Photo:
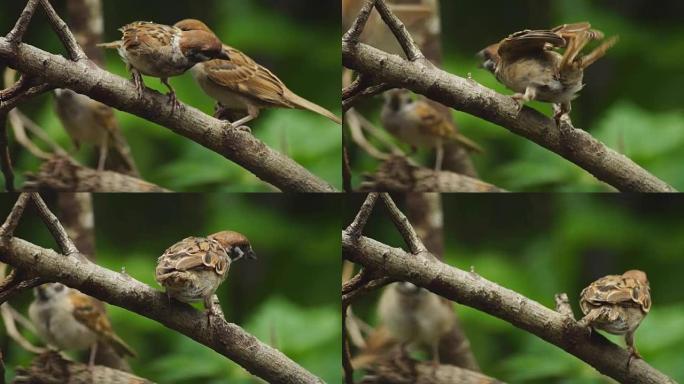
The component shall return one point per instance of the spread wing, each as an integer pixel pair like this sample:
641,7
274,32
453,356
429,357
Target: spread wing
244,76
527,41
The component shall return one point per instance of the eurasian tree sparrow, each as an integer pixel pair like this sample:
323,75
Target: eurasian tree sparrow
70,320
415,317
617,304
242,84
91,122
416,122
527,63
192,269
164,51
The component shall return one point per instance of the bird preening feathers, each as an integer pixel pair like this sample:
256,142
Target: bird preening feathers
528,63
226,74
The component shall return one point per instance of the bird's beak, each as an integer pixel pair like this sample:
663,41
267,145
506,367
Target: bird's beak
40,293
251,255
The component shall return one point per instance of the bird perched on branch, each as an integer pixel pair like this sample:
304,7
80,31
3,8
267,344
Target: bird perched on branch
91,122
528,63
164,51
416,122
193,268
617,304
68,319
415,317
242,84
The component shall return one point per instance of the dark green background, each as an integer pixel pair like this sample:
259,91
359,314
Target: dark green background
540,245
632,100
298,40
288,298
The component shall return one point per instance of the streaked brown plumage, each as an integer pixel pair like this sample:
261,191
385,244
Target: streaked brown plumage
416,122
242,84
193,268
164,51
617,304
527,62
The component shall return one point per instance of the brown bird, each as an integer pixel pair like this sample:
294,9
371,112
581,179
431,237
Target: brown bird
68,319
242,84
193,268
419,124
415,317
617,304
164,51
91,122
527,63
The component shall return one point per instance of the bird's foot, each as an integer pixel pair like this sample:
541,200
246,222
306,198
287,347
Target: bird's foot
173,100
519,99
243,128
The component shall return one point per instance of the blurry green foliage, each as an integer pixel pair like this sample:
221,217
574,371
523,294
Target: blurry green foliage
540,245
297,40
631,102
288,297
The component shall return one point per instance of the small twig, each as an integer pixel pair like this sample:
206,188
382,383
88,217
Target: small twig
62,30
380,134
24,121
16,35
563,305
12,220
404,227
359,84
353,35
5,157
355,229
346,170
367,92
366,288
58,232
10,325
353,121
16,283
413,53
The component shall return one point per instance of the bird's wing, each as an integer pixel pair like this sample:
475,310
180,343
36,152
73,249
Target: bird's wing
192,253
527,41
244,76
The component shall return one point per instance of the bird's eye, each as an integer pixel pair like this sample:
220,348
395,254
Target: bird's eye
59,287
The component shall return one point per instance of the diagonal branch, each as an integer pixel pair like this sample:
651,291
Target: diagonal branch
235,145
470,289
122,290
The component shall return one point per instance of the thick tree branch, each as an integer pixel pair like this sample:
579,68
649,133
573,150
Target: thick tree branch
235,145
470,289
122,290
466,95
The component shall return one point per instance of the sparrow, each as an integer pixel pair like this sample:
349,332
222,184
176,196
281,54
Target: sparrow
68,319
528,63
617,304
91,122
416,122
415,317
242,84
164,51
192,269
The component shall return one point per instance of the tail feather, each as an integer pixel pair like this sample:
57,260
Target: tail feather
121,347
467,143
302,103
